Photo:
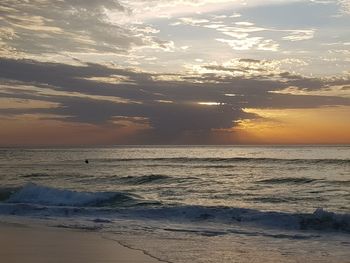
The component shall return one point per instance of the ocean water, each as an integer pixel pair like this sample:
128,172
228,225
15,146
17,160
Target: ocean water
190,204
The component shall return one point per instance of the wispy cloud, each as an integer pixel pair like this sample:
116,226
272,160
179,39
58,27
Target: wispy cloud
248,43
84,26
298,35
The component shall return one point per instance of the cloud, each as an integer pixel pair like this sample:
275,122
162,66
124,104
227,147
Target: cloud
337,90
34,28
177,70
190,21
245,34
249,43
95,6
345,5
169,109
298,35
172,8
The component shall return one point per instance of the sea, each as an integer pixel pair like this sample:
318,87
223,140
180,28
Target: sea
190,203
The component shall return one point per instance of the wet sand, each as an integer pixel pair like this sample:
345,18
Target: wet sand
19,243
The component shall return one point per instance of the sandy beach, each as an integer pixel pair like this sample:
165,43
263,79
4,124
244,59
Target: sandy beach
21,243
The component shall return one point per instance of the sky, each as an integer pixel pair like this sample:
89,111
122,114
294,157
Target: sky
108,72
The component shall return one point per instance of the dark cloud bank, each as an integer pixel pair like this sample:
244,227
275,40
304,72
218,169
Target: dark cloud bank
142,98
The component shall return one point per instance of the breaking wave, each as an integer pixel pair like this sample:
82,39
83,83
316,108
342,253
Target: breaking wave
43,195
34,199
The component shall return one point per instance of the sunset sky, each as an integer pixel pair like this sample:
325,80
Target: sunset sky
104,72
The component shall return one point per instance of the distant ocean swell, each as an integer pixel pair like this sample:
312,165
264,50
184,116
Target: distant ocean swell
229,160
36,200
164,179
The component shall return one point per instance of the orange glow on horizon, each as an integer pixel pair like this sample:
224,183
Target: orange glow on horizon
329,125
43,130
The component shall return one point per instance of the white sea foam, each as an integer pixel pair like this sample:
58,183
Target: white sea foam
43,195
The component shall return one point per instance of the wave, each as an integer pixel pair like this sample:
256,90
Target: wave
33,199
289,180
302,180
231,160
145,179
37,175
321,219
5,193
43,195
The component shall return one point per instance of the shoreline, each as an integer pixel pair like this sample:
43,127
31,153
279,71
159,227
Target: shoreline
44,244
